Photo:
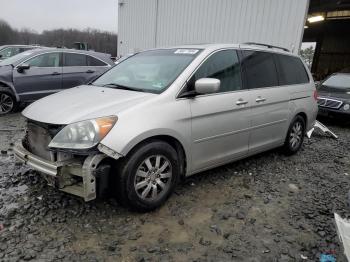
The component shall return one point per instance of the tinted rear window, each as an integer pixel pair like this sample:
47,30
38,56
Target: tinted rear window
259,69
91,61
71,59
291,70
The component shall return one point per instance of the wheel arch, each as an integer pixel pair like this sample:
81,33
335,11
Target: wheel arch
9,88
304,116
172,141
301,114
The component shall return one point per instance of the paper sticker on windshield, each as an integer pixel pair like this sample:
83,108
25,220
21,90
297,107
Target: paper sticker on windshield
186,51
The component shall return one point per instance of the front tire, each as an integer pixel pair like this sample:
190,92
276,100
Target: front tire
148,176
8,103
295,136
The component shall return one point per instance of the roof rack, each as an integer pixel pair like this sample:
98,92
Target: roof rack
268,46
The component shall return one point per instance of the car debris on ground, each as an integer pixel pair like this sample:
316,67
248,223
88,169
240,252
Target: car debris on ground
343,226
323,128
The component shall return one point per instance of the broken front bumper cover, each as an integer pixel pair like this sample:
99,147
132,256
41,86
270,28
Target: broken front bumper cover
34,161
62,174
323,128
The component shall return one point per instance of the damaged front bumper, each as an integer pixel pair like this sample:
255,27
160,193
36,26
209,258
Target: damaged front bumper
73,175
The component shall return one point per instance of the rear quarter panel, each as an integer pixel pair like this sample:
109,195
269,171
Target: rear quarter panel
302,101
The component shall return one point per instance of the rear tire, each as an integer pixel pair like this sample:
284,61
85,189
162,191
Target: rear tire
8,103
295,136
147,176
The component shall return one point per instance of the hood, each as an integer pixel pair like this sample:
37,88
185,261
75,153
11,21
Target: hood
82,103
340,93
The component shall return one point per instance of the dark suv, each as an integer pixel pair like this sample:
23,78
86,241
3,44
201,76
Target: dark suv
36,73
334,96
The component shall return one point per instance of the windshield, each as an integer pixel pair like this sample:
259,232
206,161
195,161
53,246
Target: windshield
15,58
341,81
150,71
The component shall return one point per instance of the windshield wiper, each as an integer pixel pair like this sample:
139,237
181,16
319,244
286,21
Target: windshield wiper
113,85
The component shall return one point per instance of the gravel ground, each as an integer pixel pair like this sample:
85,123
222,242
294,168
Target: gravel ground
266,208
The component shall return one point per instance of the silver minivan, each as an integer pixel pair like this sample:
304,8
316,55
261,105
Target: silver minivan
164,114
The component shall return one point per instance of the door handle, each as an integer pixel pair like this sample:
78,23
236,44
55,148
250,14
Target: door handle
90,71
241,102
55,74
260,99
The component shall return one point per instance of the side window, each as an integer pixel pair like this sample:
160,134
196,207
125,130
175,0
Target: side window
23,49
91,61
16,51
222,65
259,69
291,70
45,60
71,59
8,52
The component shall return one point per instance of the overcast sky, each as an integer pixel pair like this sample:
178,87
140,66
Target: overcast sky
52,14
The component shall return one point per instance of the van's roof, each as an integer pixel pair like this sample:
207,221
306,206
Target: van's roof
211,46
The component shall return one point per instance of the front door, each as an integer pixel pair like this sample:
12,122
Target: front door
220,121
43,78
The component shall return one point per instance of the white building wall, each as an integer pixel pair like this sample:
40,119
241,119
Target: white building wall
158,23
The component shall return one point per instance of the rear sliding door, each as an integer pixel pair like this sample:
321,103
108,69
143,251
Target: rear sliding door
270,102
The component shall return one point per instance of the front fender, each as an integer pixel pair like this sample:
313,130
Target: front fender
152,133
125,148
157,117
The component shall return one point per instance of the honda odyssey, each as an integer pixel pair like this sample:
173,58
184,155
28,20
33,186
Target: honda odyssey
164,114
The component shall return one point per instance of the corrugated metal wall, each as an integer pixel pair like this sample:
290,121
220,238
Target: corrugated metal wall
136,25
155,23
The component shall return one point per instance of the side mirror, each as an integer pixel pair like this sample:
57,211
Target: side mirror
207,85
22,67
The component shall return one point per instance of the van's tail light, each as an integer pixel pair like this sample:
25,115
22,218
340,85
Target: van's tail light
315,95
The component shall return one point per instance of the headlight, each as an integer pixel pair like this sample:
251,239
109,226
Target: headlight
83,135
346,107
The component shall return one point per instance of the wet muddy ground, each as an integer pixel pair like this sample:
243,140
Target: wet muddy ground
266,208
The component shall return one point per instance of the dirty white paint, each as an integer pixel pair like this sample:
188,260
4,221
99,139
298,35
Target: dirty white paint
343,227
146,24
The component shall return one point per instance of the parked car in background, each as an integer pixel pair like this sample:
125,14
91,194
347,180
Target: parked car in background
34,74
7,51
168,113
334,96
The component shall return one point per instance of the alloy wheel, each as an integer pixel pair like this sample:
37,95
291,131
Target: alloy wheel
6,103
153,177
296,134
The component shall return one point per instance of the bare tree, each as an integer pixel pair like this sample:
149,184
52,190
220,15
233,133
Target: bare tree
100,41
7,34
307,55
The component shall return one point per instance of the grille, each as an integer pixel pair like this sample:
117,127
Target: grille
330,103
37,139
